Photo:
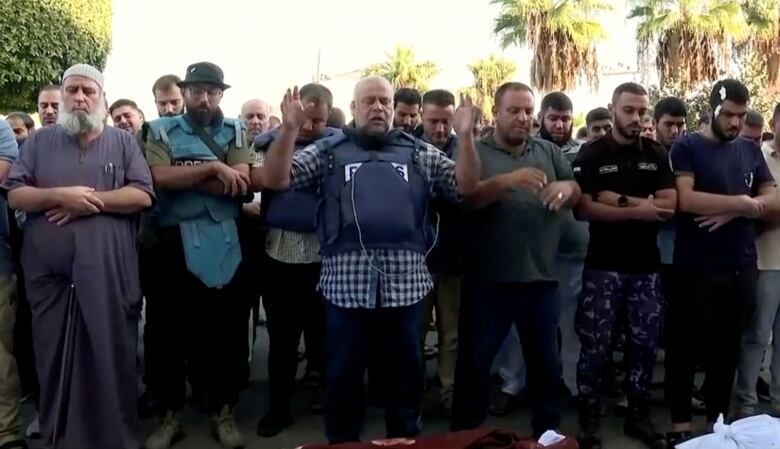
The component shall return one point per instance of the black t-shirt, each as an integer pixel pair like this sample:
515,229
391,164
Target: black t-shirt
640,170
724,168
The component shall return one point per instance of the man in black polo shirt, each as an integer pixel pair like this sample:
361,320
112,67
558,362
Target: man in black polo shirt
627,189
724,186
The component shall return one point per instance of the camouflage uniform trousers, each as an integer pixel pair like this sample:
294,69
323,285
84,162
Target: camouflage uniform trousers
604,295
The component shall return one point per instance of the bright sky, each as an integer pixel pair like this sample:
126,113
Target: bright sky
264,46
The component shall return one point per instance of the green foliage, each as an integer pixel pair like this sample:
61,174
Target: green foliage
42,38
696,99
489,73
562,35
752,72
754,76
693,38
402,70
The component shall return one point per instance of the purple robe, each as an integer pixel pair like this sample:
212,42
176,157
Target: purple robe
87,398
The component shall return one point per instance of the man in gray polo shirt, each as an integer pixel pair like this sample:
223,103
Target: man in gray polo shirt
509,275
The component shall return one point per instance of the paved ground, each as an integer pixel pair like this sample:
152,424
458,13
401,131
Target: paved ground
309,429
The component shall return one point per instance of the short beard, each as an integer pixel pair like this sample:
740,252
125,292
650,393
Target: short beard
546,135
717,131
202,117
623,131
80,123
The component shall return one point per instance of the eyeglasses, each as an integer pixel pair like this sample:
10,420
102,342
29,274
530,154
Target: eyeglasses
198,91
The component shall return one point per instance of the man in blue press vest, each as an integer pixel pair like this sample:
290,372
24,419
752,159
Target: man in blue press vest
292,302
375,231
200,166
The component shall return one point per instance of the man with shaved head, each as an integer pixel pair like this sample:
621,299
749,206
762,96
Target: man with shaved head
374,276
256,115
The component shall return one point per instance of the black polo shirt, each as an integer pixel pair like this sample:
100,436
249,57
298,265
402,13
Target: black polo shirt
639,169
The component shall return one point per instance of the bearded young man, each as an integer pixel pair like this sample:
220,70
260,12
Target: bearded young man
82,185
724,188
627,190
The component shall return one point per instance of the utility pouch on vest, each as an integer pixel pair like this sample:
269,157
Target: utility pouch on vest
211,249
292,210
379,202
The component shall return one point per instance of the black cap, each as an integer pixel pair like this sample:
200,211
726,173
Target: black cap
204,72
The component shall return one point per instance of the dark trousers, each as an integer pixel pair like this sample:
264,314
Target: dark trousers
705,320
292,303
193,329
153,275
23,339
487,313
353,334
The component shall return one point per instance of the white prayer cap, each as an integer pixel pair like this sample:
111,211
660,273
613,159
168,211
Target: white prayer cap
87,71
756,432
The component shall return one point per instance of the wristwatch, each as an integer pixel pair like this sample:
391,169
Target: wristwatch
623,201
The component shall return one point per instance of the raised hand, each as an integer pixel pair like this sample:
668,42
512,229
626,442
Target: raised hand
293,113
465,116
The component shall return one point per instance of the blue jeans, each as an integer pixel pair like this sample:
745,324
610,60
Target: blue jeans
487,313
351,335
763,327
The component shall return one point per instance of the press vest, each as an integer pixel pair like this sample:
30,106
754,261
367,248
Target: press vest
291,210
206,222
374,199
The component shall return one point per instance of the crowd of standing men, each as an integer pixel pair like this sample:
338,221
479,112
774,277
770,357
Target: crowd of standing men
532,249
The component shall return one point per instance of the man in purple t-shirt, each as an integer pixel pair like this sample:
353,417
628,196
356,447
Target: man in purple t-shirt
723,188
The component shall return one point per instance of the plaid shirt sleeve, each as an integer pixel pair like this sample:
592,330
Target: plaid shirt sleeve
307,168
440,173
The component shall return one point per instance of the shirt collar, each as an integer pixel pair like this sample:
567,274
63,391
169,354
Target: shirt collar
490,140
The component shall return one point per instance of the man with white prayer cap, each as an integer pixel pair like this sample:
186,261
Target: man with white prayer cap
82,185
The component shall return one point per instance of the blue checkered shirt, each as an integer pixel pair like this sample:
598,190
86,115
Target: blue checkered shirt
348,279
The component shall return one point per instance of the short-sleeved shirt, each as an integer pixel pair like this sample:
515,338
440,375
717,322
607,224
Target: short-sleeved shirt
736,167
515,239
639,169
158,152
348,279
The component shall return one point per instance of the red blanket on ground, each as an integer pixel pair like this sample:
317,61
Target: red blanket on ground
482,438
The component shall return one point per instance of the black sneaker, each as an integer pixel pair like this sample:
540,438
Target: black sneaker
317,401
675,438
586,441
147,405
311,380
273,423
643,430
502,404
15,444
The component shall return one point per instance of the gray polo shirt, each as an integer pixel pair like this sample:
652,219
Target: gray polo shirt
515,239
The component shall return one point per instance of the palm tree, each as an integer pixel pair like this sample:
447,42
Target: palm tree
562,34
694,38
402,70
764,19
489,73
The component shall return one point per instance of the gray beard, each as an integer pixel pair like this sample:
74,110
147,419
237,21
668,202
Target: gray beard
79,123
